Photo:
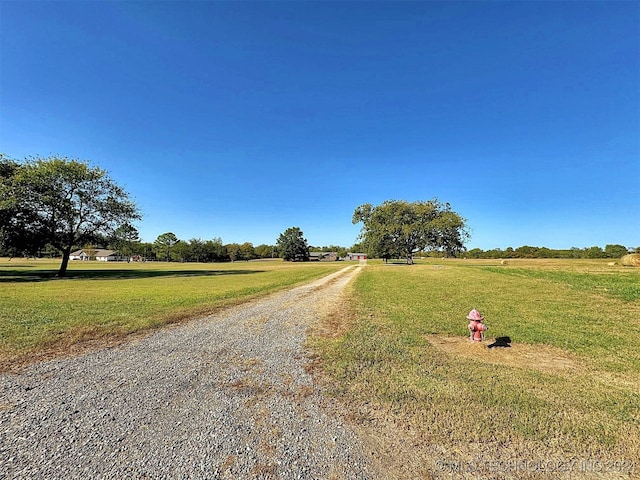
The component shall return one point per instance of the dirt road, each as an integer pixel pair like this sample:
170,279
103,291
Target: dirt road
225,396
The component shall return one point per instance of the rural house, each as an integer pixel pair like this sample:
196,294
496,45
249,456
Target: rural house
99,254
323,256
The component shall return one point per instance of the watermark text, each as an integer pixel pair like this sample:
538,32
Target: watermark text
515,465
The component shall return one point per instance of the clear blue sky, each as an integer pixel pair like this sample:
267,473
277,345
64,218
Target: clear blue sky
241,119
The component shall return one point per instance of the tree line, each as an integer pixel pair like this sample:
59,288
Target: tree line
167,247
526,251
56,205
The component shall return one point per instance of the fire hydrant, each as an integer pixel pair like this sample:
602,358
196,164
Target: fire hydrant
476,327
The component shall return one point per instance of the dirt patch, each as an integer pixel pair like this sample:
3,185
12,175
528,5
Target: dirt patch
538,357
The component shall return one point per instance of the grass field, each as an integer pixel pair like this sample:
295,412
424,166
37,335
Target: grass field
566,395
433,404
41,315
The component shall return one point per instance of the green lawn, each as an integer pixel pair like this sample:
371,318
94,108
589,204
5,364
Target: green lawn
568,388
39,312
397,353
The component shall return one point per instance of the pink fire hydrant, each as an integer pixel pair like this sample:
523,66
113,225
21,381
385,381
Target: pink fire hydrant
476,327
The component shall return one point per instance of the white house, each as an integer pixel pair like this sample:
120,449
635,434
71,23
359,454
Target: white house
100,254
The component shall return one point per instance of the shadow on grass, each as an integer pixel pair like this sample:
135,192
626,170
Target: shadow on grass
18,275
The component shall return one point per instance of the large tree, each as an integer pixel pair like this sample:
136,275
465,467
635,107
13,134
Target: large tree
247,251
292,245
164,243
398,228
265,251
126,240
234,252
196,249
64,202
15,236
215,251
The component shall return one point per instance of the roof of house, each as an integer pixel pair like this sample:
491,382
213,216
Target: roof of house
321,255
98,252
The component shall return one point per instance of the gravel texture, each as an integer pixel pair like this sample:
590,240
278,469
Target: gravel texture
226,396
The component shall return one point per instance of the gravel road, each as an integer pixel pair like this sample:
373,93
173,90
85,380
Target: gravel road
225,396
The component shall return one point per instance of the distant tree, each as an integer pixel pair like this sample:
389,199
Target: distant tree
358,247
339,251
575,252
197,250
126,240
615,251
247,251
399,228
234,251
16,236
527,251
594,252
63,202
544,252
266,251
215,251
181,252
90,251
164,243
292,245
475,253
147,250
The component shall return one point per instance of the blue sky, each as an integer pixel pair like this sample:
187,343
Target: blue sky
240,119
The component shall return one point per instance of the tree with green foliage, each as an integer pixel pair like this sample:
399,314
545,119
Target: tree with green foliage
292,245
196,250
18,235
594,252
181,252
234,251
63,202
146,250
266,251
126,240
247,251
615,251
215,251
400,228
164,243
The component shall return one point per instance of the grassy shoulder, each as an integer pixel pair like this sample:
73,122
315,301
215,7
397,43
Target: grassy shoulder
108,301
428,399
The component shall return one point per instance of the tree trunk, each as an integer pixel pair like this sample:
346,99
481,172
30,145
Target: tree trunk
66,253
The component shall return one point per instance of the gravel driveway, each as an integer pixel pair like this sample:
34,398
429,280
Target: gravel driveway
225,396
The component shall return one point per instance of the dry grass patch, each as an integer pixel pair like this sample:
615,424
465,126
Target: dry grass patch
250,387
537,357
338,320
426,400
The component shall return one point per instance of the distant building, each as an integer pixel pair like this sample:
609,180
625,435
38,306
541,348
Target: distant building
323,256
99,254
356,256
